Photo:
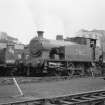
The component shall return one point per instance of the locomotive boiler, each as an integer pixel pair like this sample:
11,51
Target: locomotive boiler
59,57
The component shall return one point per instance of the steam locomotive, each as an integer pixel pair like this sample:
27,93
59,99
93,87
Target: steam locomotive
62,57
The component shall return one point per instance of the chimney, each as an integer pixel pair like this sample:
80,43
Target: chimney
40,34
59,37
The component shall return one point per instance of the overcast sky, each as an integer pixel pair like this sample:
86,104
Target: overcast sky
21,18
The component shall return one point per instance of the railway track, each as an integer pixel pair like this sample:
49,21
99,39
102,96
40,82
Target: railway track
23,80
85,98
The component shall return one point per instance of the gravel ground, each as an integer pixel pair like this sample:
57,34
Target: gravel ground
46,89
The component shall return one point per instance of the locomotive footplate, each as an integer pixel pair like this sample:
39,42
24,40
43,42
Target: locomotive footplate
84,98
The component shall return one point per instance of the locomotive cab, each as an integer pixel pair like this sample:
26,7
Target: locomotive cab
57,53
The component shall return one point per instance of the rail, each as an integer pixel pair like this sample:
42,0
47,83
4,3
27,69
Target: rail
85,98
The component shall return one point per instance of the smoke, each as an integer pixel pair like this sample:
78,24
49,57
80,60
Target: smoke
22,18
73,14
45,19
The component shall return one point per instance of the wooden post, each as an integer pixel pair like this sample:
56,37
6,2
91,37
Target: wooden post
18,87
